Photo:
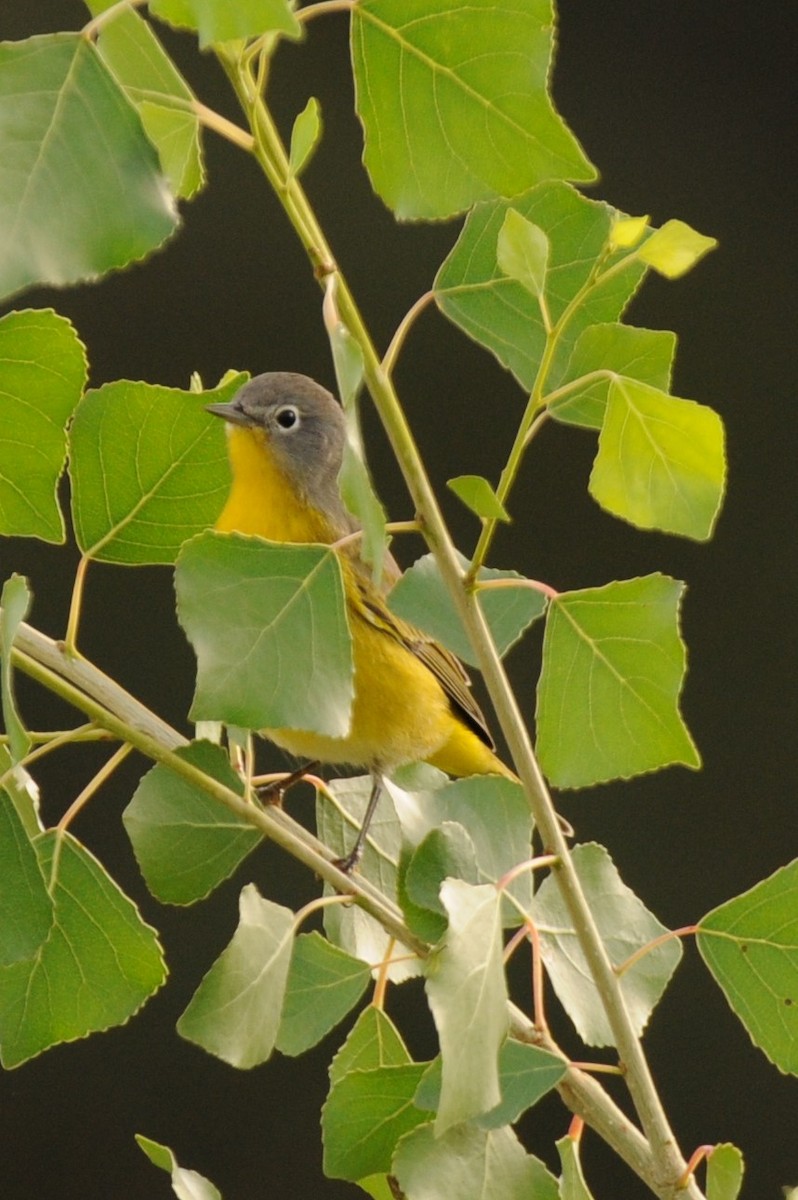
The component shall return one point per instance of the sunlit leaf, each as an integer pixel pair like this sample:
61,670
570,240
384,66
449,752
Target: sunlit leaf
471,1164
186,1184
26,910
446,126
613,349
675,248
42,375
96,968
627,231
364,1116
613,665
478,495
14,604
422,598
624,924
324,984
500,313
130,49
81,189
660,461
149,469
305,135
22,791
268,625
220,21
185,842
724,1172
522,252
235,1011
750,945
467,994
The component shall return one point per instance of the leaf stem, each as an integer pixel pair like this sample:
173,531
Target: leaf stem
402,330
105,772
76,604
53,743
310,11
226,129
491,585
642,951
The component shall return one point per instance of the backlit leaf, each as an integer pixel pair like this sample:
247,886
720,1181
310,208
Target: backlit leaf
235,1011
305,134
660,461
624,924
613,666
220,21
613,349
149,469
81,189
14,605
42,375
268,625
725,1172
26,911
455,104
500,313
422,598
96,968
750,945
374,1041
522,252
478,495
675,248
186,1184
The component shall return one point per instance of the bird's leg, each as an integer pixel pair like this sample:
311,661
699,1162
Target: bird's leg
272,793
350,861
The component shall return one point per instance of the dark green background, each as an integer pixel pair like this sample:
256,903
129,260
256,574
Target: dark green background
688,111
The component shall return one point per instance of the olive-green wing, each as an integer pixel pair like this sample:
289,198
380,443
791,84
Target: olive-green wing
444,665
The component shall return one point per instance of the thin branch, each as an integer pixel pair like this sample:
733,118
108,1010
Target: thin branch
226,129
93,786
323,8
402,330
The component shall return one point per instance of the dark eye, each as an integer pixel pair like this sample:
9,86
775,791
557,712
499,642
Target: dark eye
287,417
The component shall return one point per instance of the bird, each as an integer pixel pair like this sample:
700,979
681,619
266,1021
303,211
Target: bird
286,436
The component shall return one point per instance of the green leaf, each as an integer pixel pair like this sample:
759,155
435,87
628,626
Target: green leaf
572,1180
675,248
26,910
324,984
42,375
305,135
131,51
149,469
422,598
186,842
268,625
624,924
613,666
374,1041
613,349
186,1184
364,1116
526,1074
235,1011
467,994
220,21
445,126
377,1186
750,945
724,1172
14,604
660,461
501,314
446,852
96,968
81,190
478,495
522,252
350,927
471,1164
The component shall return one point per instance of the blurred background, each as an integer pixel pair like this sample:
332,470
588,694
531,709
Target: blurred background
688,111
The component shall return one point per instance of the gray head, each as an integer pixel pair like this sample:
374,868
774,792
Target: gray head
303,426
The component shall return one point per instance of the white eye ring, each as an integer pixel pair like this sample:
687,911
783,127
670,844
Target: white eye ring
287,417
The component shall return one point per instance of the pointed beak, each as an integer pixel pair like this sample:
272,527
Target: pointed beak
230,411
